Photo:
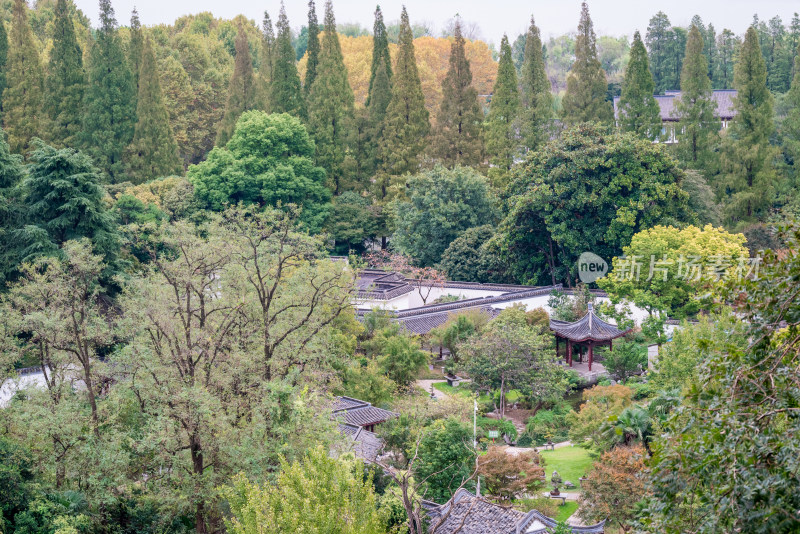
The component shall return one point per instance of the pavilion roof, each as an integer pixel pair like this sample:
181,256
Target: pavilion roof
588,328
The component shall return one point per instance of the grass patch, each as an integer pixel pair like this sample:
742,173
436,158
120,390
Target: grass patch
570,462
447,389
566,510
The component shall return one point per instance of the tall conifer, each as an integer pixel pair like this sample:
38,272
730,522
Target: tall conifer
585,99
153,152
330,110
110,99
266,55
791,124
3,61
406,125
696,106
638,109
370,124
287,94
457,139
502,142
135,47
749,156
380,54
536,98
22,98
313,47
241,95
66,81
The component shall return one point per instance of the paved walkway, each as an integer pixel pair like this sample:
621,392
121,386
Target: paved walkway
425,385
518,450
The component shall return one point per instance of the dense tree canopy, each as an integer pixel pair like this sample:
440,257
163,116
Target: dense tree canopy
441,205
269,160
590,190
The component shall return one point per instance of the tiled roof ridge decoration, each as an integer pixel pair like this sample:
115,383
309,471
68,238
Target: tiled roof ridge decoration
486,517
588,327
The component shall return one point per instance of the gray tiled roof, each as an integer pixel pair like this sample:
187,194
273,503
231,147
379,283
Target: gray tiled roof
467,514
423,319
359,413
667,104
589,327
366,445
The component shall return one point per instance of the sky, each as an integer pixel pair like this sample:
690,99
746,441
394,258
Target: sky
494,17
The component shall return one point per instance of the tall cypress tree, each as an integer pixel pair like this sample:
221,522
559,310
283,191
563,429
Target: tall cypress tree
750,177
12,209
330,110
22,98
791,124
313,48
287,94
241,95
110,100
406,125
536,97
153,152
370,123
502,142
381,61
66,81
135,47
696,105
585,99
457,139
3,61
659,39
638,109
264,79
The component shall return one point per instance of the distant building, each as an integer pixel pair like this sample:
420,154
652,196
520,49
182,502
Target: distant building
667,104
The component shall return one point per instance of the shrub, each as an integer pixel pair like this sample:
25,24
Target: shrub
549,424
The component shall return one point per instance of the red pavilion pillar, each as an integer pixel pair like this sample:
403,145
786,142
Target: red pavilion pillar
569,352
591,356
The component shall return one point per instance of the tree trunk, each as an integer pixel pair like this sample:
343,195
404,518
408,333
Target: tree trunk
197,466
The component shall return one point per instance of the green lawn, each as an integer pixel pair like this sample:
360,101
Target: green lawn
462,392
566,510
570,462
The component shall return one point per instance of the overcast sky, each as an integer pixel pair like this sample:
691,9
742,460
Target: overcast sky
495,17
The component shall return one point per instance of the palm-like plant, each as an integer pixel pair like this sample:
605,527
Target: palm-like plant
632,425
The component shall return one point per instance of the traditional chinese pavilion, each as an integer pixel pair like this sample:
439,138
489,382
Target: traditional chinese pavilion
590,331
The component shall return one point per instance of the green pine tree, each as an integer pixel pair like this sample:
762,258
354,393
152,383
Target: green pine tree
241,89
696,106
370,122
790,128
330,110
536,97
287,94
66,81
457,139
313,47
659,40
585,99
748,155
3,60
135,47
153,152
638,109
12,210
110,100
264,79
381,61
406,125
500,130
22,98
